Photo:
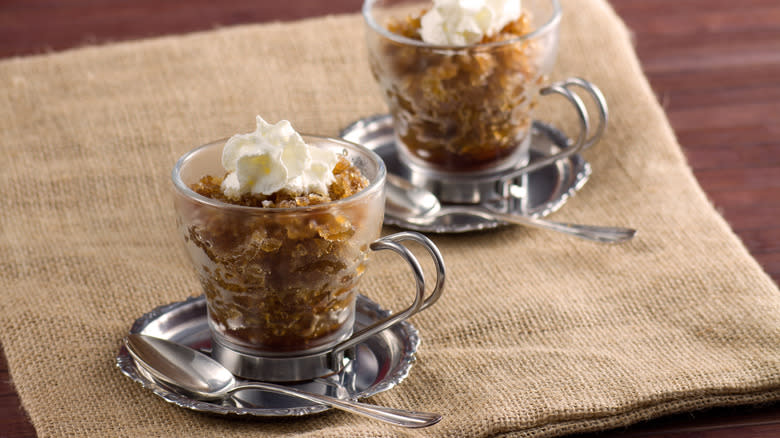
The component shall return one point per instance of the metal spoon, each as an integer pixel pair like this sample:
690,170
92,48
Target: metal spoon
418,206
198,375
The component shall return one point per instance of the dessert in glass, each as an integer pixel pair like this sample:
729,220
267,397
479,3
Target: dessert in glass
461,77
279,227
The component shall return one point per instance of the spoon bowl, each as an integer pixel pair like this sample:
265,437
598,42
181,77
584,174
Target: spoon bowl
418,206
404,199
195,374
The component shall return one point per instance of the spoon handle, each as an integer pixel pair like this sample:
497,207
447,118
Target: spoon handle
588,232
398,417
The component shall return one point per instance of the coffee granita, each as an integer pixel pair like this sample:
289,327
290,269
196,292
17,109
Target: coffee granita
461,99
280,263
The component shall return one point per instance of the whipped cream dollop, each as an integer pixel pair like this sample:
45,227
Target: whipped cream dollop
466,22
274,158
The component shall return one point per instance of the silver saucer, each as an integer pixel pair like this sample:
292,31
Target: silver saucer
540,193
380,363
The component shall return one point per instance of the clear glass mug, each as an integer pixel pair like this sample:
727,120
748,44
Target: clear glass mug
281,283
467,109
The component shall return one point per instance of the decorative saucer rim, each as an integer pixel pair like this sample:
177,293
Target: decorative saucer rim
576,172
404,332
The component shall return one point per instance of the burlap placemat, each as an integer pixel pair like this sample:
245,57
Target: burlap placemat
538,334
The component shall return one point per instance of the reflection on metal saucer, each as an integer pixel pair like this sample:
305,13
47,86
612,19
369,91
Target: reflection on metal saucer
534,194
380,363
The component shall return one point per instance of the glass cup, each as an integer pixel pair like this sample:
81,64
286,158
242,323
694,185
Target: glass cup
281,283
460,108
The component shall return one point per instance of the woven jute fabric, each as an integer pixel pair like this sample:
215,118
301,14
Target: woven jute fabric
537,334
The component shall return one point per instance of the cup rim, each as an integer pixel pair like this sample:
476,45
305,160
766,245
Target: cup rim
555,18
373,186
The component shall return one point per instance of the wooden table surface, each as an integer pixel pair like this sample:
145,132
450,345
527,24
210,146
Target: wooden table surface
714,65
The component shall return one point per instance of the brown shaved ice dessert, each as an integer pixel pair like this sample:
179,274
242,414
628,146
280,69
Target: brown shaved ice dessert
280,271
460,109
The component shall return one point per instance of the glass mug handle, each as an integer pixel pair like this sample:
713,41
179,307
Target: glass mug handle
392,242
583,141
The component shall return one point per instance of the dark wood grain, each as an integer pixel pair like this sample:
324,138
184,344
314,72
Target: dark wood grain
14,422
713,64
